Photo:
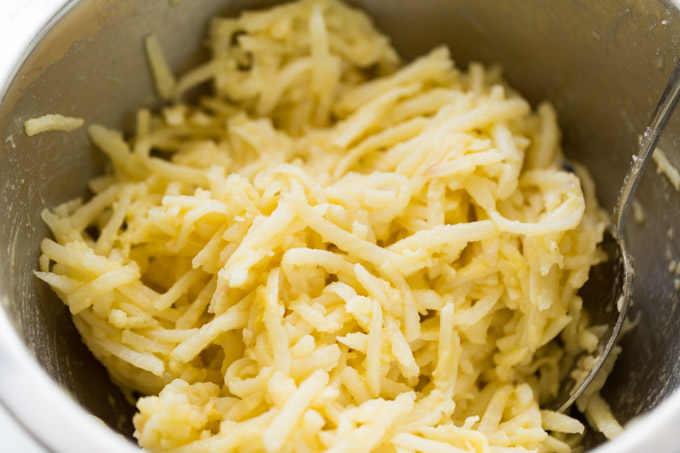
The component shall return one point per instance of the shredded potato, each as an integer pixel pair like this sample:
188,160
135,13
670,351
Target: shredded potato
52,122
335,251
165,80
664,167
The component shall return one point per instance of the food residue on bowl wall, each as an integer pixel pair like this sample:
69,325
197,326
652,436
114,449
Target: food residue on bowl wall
52,122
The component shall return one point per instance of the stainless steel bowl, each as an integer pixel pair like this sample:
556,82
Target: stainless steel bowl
602,63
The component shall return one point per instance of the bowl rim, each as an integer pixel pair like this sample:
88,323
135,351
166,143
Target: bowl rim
54,419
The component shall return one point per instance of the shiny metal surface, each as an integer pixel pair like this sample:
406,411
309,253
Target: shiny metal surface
612,294
650,138
602,63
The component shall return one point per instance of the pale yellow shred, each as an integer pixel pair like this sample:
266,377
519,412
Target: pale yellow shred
52,122
664,166
163,76
638,212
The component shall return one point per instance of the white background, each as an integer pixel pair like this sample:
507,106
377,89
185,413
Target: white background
13,439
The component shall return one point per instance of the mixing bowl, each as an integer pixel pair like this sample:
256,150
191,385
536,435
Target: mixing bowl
602,63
